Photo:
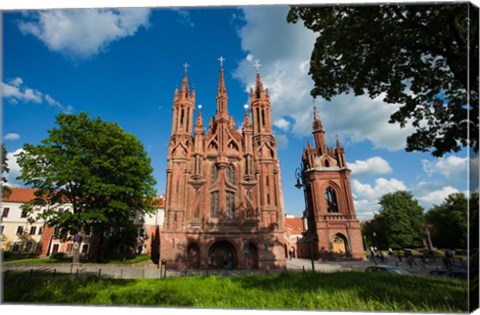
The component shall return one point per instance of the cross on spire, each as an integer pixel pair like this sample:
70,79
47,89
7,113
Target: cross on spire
186,65
257,65
221,59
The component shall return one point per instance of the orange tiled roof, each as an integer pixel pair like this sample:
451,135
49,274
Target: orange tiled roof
20,195
27,194
294,225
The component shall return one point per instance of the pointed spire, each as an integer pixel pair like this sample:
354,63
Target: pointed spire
258,86
338,142
221,81
317,124
199,122
222,98
184,88
246,118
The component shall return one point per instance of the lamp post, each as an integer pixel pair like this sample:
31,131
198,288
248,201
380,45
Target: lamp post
310,238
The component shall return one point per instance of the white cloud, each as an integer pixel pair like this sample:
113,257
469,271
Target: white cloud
185,17
366,196
11,136
371,166
282,141
436,197
284,51
14,168
15,91
450,167
83,33
282,123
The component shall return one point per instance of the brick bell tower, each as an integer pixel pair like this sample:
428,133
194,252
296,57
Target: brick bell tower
331,221
223,193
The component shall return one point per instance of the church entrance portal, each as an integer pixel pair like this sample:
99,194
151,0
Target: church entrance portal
221,253
339,244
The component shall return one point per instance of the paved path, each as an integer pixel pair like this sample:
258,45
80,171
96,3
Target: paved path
149,270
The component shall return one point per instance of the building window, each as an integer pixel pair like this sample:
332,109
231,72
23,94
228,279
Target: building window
69,248
40,230
214,173
141,232
28,247
55,248
5,212
1,229
231,174
20,230
33,230
16,247
214,204
331,198
230,206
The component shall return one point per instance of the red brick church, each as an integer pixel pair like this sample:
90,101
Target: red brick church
224,201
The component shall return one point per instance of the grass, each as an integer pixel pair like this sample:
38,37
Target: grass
343,291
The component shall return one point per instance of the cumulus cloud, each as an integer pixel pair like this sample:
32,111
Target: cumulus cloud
437,197
16,92
83,33
14,168
451,167
282,124
11,136
366,196
284,51
371,166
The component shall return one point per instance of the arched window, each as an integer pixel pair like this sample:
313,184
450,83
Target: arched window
214,173
327,164
331,197
231,174
230,206
214,204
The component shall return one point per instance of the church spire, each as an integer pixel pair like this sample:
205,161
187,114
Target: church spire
222,98
199,122
318,132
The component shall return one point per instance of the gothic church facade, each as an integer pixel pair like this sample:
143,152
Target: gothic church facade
223,201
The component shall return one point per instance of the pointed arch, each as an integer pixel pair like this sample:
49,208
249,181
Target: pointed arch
332,200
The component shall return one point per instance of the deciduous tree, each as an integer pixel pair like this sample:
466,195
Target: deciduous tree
101,170
423,57
449,222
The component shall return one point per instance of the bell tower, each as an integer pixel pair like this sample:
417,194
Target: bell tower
330,214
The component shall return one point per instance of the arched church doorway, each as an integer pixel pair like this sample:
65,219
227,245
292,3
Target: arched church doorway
193,256
220,254
339,244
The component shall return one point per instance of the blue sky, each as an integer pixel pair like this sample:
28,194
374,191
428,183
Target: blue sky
124,65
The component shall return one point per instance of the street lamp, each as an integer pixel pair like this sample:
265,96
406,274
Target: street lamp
310,238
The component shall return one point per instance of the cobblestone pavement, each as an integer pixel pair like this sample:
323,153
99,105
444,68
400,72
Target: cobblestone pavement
150,271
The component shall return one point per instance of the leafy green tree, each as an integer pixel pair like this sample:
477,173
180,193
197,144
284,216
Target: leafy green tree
402,219
6,191
102,171
449,222
413,55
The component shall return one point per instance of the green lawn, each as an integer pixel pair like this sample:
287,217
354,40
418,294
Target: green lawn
347,291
